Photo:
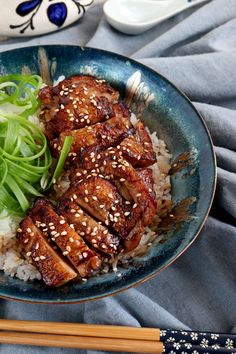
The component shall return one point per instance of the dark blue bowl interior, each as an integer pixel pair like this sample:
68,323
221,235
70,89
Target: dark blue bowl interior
176,121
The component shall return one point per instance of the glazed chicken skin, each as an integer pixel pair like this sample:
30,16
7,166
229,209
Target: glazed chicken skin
111,197
91,230
75,103
103,202
94,138
55,271
71,244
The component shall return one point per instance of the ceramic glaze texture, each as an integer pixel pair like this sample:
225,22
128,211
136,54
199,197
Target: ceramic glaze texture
34,17
135,17
164,109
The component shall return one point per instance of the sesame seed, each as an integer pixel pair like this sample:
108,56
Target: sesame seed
127,202
53,233
63,233
94,198
77,215
104,246
126,213
26,240
42,258
86,191
78,174
62,222
110,195
52,227
116,201
84,223
36,259
82,233
62,106
135,206
51,224
106,222
98,187
117,214
86,200
115,219
105,232
74,196
71,239
138,195
150,189
37,246
28,254
72,210
93,241
65,253
32,234
122,179
85,254
28,229
68,248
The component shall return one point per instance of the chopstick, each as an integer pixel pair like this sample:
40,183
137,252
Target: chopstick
114,338
79,342
77,329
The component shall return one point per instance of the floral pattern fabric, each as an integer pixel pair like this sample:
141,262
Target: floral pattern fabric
189,342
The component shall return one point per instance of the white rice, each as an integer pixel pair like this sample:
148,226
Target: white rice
13,263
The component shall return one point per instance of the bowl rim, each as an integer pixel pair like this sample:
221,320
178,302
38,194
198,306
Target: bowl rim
213,190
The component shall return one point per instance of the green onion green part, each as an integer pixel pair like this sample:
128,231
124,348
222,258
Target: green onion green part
26,164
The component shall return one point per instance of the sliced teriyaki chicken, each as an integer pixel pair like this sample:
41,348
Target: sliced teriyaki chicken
94,138
102,200
146,176
84,259
137,148
92,231
55,271
134,185
76,102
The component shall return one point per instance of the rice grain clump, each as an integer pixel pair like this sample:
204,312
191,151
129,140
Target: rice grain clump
11,260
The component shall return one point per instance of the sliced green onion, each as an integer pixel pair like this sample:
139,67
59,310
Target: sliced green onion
25,159
63,155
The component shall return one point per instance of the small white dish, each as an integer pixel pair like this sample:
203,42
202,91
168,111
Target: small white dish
34,17
137,16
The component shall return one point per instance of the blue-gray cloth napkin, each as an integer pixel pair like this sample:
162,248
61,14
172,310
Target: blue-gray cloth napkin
196,50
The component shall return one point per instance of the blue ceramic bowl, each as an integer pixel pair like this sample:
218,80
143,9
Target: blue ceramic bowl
164,109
